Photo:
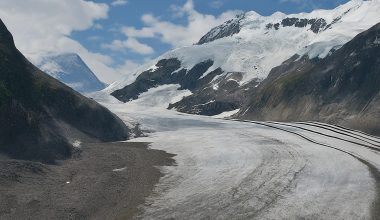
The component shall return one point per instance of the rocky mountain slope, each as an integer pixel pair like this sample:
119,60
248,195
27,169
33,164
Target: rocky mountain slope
343,88
238,55
70,69
40,117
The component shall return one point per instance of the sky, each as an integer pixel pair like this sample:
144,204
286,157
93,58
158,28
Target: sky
115,36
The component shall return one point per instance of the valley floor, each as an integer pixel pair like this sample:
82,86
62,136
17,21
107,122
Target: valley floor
258,170
223,169
106,181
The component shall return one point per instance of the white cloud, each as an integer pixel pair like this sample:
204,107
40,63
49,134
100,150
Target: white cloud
128,67
133,32
119,2
138,47
132,44
178,35
98,26
216,4
116,45
41,26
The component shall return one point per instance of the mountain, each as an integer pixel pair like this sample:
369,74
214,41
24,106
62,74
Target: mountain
343,88
227,62
41,118
70,69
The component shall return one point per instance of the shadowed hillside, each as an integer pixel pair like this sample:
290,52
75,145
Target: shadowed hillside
343,88
41,117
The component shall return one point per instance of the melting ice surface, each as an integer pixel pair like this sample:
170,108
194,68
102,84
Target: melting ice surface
242,170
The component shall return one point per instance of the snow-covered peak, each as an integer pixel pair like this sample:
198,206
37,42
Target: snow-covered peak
255,44
71,69
316,21
227,29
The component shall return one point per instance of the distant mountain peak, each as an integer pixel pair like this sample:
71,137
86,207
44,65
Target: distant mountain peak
315,21
227,29
72,70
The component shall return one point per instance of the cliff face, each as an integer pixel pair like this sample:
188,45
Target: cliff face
41,117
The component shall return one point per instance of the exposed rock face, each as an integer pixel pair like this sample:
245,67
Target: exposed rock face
342,88
316,24
168,72
41,117
205,99
229,28
191,105
148,79
216,96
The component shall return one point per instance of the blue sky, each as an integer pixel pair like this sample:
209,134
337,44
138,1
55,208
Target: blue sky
130,13
115,36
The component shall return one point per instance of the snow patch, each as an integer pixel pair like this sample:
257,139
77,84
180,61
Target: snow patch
226,114
161,96
77,144
377,41
119,169
209,102
153,68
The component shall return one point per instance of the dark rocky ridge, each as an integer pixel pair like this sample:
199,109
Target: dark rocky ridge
168,72
342,88
204,100
149,79
229,28
317,24
40,117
